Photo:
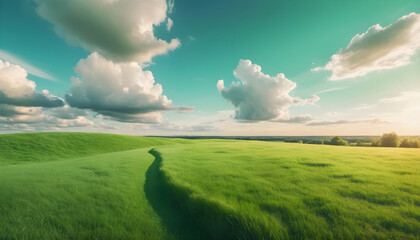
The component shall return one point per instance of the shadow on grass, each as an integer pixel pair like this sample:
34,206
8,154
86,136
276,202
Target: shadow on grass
169,210
189,217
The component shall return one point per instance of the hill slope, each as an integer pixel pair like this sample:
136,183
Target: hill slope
37,147
100,196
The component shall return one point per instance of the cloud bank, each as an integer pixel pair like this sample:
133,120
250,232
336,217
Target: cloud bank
260,97
122,92
38,118
378,48
16,89
120,30
23,109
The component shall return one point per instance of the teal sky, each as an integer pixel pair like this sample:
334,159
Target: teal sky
289,37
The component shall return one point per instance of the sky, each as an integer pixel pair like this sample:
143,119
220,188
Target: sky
157,67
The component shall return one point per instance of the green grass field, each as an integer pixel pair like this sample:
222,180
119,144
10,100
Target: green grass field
103,186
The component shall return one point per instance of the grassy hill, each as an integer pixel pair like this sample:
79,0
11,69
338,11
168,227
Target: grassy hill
40,147
264,190
49,191
102,186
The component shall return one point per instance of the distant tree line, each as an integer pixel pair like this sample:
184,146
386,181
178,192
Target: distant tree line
333,141
393,140
387,140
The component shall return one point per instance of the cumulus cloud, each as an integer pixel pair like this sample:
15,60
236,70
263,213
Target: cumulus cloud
377,49
122,92
23,109
120,30
260,97
16,89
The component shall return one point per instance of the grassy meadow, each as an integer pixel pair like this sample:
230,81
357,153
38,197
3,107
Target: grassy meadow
103,186
295,191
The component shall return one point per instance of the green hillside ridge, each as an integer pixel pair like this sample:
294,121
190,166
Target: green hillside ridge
37,147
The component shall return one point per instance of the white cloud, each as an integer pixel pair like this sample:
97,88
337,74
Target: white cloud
169,24
378,48
28,67
120,30
122,92
13,81
16,89
259,97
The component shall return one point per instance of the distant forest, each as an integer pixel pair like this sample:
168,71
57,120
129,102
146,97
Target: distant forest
386,140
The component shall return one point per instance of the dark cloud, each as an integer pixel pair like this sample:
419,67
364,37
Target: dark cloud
43,99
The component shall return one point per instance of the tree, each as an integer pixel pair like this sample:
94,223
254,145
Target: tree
390,140
338,141
315,141
410,143
376,142
415,143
